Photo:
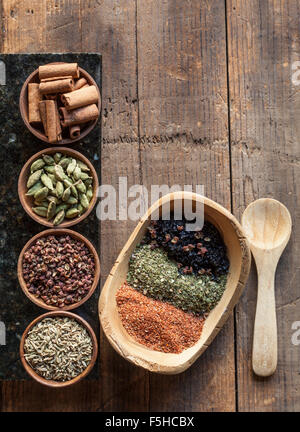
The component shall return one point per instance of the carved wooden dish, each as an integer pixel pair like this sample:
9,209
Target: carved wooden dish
239,256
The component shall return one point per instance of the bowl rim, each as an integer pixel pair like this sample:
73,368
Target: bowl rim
22,180
127,347
52,383
58,232
41,136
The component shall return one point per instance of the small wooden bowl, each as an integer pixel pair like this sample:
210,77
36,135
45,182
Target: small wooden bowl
38,130
51,383
27,201
239,257
58,232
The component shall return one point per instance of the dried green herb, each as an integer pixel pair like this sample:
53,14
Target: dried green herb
153,274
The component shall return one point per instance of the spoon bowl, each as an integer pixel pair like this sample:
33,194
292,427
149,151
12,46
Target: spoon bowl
267,224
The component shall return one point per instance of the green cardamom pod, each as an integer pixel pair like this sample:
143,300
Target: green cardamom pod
77,173
34,188
59,189
47,181
41,211
66,194
89,193
72,213
33,178
52,198
48,159
61,207
83,166
51,210
80,209
53,179
64,162
41,194
84,176
53,193
59,217
84,201
67,182
49,168
88,181
72,200
36,165
59,172
41,203
71,167
81,186
57,157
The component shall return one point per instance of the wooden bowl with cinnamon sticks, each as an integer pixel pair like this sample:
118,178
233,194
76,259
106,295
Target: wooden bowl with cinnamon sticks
60,103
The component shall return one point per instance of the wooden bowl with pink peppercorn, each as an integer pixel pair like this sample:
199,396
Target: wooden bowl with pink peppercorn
58,269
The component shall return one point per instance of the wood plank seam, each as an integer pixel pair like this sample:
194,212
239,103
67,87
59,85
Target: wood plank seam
231,200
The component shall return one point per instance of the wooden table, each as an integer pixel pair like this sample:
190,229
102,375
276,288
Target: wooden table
194,92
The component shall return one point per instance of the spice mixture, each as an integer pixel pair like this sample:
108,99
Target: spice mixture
61,187
58,270
153,274
198,252
58,348
158,325
175,278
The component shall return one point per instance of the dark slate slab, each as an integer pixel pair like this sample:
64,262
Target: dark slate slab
17,144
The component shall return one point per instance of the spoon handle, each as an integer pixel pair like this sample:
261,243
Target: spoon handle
264,354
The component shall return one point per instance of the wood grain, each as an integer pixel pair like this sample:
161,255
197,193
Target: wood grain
165,120
263,43
184,140
123,387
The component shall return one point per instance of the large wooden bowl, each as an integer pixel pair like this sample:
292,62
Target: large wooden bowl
27,201
58,232
239,256
38,129
51,383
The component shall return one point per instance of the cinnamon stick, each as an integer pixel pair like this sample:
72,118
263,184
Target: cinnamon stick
34,97
55,78
59,70
58,125
42,108
79,115
80,83
74,131
58,86
79,98
51,121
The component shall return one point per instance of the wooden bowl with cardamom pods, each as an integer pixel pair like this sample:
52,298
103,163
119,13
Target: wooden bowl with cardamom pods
58,233
239,257
37,128
53,383
28,201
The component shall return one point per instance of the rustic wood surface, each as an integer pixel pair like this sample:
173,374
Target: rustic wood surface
193,93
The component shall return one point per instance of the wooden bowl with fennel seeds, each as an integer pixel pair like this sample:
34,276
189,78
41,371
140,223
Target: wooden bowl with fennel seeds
58,349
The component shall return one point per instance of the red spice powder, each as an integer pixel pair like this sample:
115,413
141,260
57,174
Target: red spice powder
158,325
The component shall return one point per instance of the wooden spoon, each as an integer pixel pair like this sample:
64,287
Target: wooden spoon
267,225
